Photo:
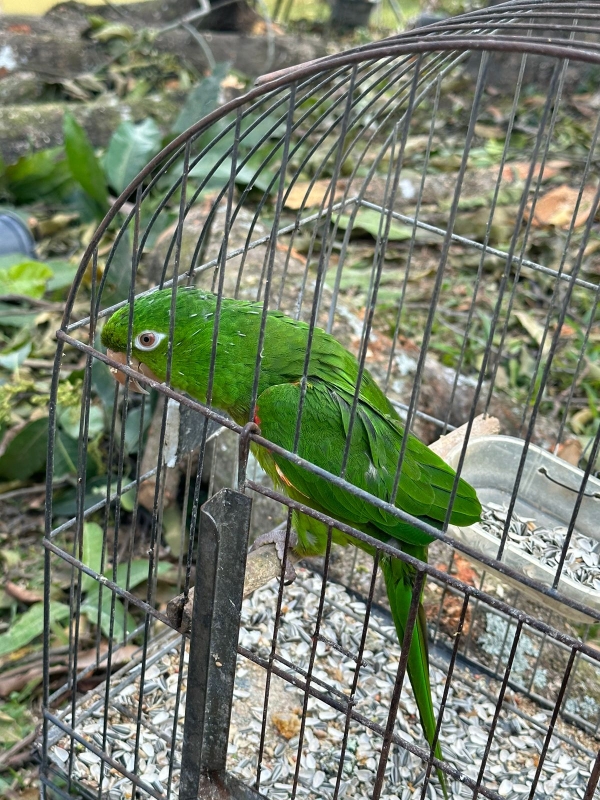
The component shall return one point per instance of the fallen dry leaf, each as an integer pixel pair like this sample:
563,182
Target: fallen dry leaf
534,329
119,657
570,451
581,419
519,170
316,193
21,594
15,683
557,207
288,725
490,131
567,330
464,571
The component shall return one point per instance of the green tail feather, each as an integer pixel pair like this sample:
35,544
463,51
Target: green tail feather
399,581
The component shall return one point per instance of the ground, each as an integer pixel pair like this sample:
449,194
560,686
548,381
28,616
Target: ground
62,194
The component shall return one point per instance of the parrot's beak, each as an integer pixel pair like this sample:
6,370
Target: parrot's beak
119,376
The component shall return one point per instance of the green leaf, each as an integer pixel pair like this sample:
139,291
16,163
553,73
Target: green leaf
65,455
129,150
30,625
26,453
93,545
28,278
85,167
39,176
123,624
138,573
103,385
63,273
128,500
14,359
12,316
118,274
114,30
271,127
369,221
132,429
203,99
69,420
89,607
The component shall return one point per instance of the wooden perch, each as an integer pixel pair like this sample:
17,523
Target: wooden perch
482,426
263,564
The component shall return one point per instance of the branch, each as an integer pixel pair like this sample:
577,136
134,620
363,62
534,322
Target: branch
263,564
482,426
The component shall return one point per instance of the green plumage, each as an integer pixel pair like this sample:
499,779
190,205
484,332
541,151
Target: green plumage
426,481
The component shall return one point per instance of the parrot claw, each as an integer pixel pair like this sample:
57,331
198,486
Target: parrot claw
277,537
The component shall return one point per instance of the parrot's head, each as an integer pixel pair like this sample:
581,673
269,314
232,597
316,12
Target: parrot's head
150,332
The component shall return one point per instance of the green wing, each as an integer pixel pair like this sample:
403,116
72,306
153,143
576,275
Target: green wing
426,481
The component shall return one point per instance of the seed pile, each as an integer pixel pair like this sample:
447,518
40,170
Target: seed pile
582,563
513,757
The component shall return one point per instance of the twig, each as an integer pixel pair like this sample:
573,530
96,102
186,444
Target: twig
32,301
263,564
14,757
203,44
38,488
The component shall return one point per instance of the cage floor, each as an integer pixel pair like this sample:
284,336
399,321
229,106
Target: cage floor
511,765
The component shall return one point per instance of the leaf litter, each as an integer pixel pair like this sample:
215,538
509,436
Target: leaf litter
63,206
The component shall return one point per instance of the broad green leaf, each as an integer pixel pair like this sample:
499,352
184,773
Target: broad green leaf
16,357
128,500
132,429
65,502
129,150
138,573
118,272
89,607
93,545
12,316
29,625
219,177
270,127
103,385
69,420
65,455
27,278
11,260
203,99
63,274
39,176
26,453
261,180
84,165
370,221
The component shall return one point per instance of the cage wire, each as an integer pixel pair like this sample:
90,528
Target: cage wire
268,199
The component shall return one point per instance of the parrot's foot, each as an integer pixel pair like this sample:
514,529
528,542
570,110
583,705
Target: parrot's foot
277,537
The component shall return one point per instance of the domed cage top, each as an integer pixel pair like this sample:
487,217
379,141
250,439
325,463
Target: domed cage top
412,198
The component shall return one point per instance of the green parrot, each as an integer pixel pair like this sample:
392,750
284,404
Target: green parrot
426,481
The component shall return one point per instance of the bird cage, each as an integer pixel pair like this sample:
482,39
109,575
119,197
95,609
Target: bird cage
430,200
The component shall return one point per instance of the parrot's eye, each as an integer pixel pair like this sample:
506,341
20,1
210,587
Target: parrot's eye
148,340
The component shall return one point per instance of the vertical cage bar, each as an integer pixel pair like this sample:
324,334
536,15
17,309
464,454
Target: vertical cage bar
221,564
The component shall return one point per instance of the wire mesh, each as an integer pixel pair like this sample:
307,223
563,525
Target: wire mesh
263,200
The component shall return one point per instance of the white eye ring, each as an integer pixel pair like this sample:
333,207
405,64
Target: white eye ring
148,340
